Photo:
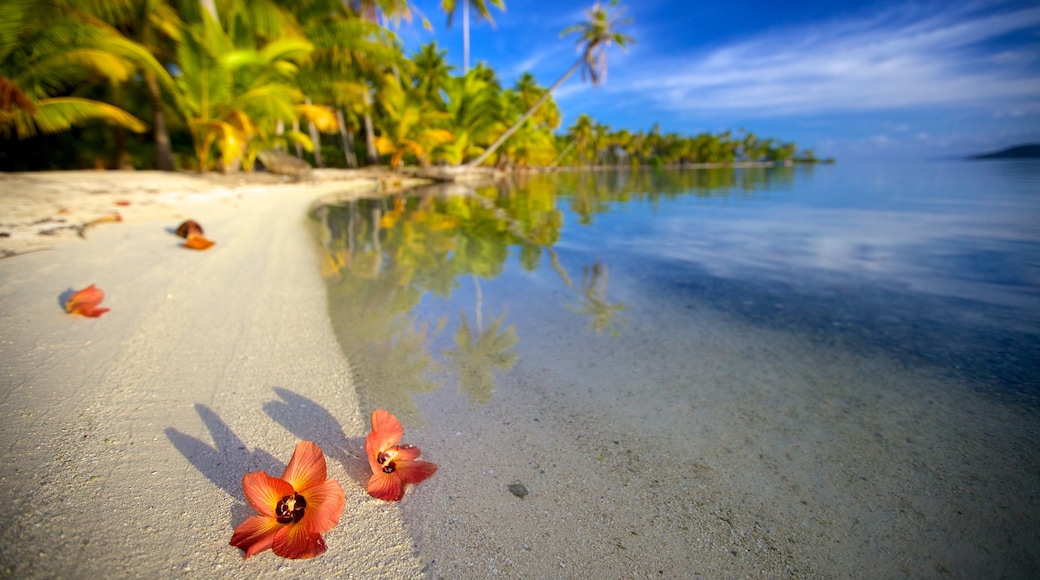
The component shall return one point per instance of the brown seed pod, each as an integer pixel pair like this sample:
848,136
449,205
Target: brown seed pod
189,228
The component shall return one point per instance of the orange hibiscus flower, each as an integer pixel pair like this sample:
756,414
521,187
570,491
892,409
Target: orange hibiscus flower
191,231
85,302
294,510
393,465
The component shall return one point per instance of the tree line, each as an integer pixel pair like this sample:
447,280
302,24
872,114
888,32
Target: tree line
209,84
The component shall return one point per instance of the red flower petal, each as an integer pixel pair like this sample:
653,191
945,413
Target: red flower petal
85,302
263,492
307,467
324,506
407,453
415,471
386,432
255,535
385,486
295,541
198,242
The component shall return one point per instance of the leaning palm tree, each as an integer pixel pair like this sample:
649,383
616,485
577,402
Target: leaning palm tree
596,35
481,6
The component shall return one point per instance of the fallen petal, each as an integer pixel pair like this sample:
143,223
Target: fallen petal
386,432
85,302
385,486
324,506
255,535
197,242
263,491
307,467
415,471
297,542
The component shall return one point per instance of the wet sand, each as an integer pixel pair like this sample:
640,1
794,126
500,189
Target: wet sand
728,450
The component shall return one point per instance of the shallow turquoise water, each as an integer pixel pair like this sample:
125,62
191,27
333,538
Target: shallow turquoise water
933,263
848,343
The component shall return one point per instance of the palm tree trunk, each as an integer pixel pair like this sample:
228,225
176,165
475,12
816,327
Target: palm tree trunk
211,7
163,150
296,129
566,150
523,119
372,156
315,139
465,36
347,140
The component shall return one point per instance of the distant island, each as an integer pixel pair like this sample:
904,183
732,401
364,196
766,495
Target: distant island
1028,151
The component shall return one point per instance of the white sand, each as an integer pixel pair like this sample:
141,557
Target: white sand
123,439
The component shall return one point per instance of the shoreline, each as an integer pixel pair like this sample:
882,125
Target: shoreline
43,210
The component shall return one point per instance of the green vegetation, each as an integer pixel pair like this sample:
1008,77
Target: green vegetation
208,84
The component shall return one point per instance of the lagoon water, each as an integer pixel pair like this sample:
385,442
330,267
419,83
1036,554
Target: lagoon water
826,370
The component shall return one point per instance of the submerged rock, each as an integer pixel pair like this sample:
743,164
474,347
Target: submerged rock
518,489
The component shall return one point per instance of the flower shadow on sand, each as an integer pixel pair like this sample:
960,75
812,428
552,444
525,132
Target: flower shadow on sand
309,421
225,464
229,461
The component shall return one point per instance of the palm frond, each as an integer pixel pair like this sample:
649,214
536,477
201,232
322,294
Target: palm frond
323,117
62,113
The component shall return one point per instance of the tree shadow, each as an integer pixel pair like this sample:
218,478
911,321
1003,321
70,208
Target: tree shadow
309,421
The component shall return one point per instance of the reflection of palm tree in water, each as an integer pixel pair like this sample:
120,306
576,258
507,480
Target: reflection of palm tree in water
478,354
594,303
593,289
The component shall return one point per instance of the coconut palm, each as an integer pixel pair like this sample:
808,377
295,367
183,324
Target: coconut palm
409,125
235,95
432,72
583,136
475,113
47,51
595,35
481,6
348,52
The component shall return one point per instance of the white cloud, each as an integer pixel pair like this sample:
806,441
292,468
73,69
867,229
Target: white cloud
904,57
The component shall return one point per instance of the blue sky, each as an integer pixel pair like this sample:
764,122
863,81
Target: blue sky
884,79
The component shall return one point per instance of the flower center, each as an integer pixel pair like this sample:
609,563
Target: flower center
386,459
290,509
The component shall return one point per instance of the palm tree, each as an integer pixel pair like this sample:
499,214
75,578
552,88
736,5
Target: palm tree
432,72
48,51
596,35
474,110
450,6
234,95
583,136
409,126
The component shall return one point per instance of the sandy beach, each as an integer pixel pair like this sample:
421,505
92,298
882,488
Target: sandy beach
124,438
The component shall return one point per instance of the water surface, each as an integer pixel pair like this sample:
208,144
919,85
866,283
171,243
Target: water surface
798,370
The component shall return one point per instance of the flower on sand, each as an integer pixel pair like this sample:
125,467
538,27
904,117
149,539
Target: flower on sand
191,231
294,510
393,465
85,302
